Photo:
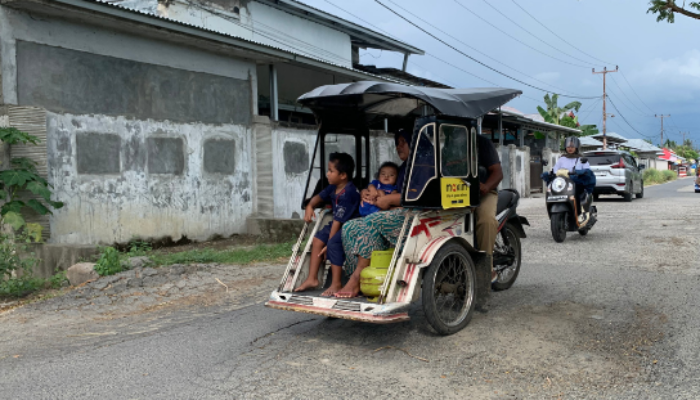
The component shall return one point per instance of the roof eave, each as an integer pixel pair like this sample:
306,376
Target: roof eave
199,33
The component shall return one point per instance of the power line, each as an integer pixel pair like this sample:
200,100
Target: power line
592,107
561,38
473,48
625,119
532,34
638,110
472,58
516,39
635,93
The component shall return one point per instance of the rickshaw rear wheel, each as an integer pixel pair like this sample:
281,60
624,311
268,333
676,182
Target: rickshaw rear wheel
449,290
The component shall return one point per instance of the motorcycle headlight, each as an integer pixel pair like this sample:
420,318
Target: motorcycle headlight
558,184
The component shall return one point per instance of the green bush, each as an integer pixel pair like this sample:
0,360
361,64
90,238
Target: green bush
20,286
109,262
58,280
669,175
654,176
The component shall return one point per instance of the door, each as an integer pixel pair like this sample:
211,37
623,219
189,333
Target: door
634,174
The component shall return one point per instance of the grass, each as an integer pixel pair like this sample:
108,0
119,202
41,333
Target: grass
259,253
655,177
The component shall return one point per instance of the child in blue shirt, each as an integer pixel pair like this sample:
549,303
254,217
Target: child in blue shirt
344,198
383,185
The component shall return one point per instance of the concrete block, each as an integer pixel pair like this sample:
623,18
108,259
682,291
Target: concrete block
81,273
219,156
98,153
275,229
60,257
166,156
296,157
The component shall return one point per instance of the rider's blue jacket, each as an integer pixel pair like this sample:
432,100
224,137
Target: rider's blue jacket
584,177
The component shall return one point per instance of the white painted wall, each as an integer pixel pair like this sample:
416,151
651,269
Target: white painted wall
280,29
115,208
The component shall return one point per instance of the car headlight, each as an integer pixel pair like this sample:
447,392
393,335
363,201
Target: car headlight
558,184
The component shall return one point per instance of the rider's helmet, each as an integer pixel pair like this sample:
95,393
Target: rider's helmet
572,141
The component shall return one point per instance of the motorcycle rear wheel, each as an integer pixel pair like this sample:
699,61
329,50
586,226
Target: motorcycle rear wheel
558,222
507,276
449,290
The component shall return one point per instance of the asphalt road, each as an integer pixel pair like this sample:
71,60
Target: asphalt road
611,315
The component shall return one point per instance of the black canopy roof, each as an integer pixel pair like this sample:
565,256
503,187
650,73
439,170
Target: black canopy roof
375,99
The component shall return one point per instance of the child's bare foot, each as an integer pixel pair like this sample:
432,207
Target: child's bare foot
307,285
331,290
351,289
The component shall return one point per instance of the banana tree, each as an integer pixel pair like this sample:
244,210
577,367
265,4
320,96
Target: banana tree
554,114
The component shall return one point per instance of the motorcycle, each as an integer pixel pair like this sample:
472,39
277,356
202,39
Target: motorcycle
506,251
562,205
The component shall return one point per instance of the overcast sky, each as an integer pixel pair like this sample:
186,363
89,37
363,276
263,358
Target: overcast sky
659,62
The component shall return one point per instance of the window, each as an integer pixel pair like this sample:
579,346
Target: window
423,168
454,147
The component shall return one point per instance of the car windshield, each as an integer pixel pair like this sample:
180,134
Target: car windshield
603,159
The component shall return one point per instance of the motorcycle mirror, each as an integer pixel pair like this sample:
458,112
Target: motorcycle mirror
584,160
545,163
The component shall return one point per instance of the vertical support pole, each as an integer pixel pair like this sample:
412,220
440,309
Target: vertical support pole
405,62
500,127
386,125
521,137
274,111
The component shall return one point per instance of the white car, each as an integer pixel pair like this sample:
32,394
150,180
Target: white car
616,172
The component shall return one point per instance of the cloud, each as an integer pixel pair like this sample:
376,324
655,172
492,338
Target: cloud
682,72
549,77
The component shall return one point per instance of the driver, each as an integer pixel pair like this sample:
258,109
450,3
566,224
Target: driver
571,162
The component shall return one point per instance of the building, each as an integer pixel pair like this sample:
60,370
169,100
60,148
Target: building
174,119
648,154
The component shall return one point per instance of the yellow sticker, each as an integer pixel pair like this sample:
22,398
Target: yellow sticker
455,193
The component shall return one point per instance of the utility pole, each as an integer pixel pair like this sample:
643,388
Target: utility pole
605,114
661,143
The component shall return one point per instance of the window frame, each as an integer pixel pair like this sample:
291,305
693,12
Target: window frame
468,152
435,144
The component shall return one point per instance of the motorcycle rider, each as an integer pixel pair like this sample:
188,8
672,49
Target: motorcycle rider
568,164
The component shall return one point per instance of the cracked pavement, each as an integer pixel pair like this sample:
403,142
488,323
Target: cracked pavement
607,316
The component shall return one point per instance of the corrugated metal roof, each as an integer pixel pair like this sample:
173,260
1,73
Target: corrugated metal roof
611,137
109,4
643,146
590,142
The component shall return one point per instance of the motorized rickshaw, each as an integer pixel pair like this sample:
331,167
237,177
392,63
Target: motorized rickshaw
436,250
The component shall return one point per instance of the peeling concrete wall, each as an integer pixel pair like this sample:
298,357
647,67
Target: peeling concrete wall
515,163
182,197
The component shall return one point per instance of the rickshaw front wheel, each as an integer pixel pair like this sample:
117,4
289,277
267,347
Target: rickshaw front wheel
449,290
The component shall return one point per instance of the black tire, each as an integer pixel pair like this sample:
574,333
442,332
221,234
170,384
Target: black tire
452,272
507,278
627,197
558,228
596,197
583,232
640,194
